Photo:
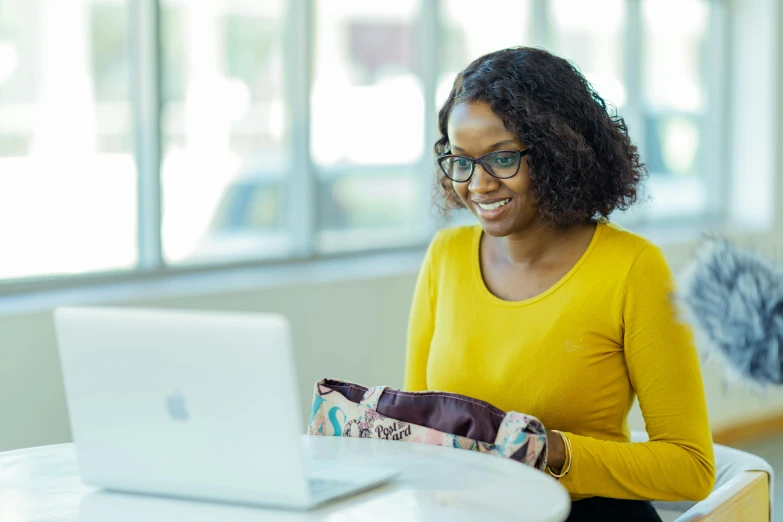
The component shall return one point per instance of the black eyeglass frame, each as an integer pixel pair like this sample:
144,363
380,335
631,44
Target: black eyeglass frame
480,161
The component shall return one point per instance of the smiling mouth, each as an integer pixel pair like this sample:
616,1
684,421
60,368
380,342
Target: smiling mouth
493,206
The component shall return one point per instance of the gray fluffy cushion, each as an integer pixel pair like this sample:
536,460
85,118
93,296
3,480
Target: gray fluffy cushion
734,300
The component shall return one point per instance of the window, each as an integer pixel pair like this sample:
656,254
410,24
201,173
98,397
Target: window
302,128
67,172
592,35
367,132
675,102
652,66
224,131
471,29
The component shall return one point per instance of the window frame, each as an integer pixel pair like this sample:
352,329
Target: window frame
300,205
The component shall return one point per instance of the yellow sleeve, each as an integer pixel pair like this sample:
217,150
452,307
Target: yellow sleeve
421,324
678,462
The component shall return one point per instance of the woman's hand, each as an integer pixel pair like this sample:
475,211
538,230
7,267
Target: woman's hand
555,451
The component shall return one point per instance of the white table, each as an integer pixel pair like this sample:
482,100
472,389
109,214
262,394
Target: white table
42,484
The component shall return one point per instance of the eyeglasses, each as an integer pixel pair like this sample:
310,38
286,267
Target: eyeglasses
502,164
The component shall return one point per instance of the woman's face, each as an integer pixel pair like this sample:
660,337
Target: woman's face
474,130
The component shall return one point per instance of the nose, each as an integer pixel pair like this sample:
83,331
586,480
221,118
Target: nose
482,182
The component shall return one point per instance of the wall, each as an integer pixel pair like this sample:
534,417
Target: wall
353,329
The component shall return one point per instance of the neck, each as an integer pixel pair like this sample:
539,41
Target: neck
533,245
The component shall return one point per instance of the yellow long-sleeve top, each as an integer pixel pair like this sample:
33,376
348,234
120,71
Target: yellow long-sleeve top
575,357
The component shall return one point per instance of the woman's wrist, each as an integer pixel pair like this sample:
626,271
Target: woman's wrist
562,455
555,451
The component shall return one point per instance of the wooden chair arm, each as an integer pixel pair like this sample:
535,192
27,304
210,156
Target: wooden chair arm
745,497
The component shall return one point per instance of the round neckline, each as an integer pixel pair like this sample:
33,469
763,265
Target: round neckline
476,257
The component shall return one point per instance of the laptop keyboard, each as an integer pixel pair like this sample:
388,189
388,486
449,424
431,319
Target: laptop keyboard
326,488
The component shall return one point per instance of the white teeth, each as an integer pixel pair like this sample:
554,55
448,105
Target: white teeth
493,206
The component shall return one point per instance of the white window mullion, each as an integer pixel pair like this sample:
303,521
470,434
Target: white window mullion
541,31
299,188
144,40
633,112
428,39
715,131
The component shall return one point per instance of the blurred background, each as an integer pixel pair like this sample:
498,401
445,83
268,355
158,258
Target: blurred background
251,117
276,155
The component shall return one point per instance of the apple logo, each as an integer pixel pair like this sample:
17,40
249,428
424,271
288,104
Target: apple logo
176,406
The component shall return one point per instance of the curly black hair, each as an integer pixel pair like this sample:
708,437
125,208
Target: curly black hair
582,163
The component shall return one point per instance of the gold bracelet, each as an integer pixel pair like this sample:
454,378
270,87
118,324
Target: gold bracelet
568,457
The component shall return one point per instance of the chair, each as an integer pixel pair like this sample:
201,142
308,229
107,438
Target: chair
742,491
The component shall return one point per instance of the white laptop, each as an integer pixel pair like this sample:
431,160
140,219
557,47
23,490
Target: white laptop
193,404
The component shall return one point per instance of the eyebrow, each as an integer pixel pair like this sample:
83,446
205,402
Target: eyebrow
493,146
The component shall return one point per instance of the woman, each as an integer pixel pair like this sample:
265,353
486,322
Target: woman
546,307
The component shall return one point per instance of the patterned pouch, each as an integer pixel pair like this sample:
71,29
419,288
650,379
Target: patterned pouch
342,409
